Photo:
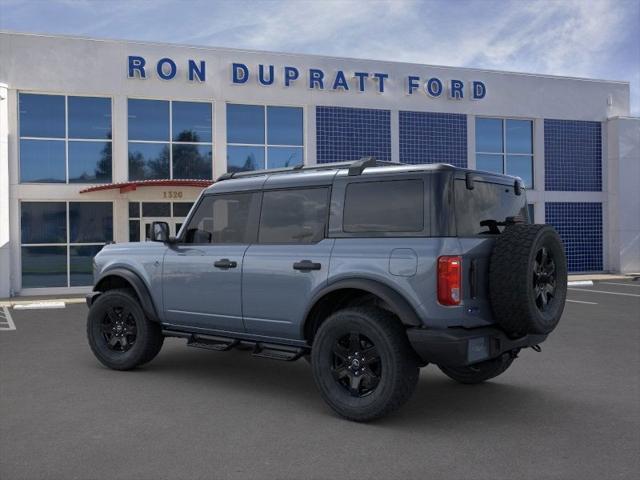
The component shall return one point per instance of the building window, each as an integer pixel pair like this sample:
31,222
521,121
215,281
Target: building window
345,134
261,137
65,139
60,239
173,213
505,146
170,140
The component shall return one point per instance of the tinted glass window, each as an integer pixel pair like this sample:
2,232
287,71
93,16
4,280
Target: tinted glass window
224,219
43,222
41,115
284,126
521,166
42,161
294,216
191,122
89,162
391,206
489,162
192,161
134,230
489,135
487,201
148,120
280,157
531,210
240,159
81,264
148,161
89,117
181,209
156,209
134,210
90,222
519,136
245,124
44,267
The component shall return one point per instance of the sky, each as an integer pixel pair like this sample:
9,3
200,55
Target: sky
579,38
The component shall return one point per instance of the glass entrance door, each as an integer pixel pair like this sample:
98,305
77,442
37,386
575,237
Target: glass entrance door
145,226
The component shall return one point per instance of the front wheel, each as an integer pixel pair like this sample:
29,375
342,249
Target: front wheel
119,333
363,364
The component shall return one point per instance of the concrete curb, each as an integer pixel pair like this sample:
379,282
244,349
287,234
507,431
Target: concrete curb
23,301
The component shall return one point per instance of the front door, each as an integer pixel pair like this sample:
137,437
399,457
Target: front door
203,272
289,263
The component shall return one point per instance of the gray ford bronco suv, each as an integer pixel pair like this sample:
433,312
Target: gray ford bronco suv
369,270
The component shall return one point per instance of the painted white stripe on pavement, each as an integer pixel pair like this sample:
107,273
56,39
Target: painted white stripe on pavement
6,322
621,284
576,283
580,301
39,305
602,291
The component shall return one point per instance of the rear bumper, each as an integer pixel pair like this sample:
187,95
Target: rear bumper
458,347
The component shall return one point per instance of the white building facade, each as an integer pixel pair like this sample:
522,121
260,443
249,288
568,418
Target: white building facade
98,138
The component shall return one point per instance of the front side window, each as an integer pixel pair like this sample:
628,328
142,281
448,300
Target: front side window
505,146
297,216
261,137
65,139
170,140
60,239
388,206
221,219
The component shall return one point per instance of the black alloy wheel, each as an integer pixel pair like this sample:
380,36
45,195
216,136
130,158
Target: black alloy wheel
356,364
119,328
544,282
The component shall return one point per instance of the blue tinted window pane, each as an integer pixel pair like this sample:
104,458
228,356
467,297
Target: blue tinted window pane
521,166
284,125
44,267
148,161
489,163
489,135
148,120
241,159
245,124
42,161
192,161
81,264
531,211
41,115
89,117
519,136
43,222
90,222
191,121
279,157
89,162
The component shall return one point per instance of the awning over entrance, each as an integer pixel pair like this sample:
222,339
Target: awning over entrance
132,186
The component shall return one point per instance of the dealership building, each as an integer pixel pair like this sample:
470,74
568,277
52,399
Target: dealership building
98,138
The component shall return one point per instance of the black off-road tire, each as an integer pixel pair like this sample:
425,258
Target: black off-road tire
479,372
148,338
396,366
516,276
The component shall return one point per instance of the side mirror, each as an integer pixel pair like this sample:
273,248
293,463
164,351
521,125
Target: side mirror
160,232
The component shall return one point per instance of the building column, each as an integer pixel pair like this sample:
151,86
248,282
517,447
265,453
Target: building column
5,243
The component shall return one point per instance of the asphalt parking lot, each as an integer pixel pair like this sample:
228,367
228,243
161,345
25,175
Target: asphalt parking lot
572,411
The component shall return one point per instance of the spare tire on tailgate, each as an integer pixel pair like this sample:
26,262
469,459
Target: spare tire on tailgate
528,279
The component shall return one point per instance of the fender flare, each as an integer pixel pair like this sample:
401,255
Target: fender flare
138,286
400,306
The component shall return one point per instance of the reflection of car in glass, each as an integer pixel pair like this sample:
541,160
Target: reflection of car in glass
370,270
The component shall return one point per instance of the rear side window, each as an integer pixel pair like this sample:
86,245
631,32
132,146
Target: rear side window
295,216
391,206
222,219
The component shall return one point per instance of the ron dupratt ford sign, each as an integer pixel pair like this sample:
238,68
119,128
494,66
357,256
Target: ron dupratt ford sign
313,78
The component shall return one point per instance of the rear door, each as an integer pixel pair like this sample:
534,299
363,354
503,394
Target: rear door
290,261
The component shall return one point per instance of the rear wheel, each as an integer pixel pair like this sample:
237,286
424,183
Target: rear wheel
363,364
119,333
479,372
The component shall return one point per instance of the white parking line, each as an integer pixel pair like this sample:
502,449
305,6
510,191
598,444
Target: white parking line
6,322
602,291
580,301
621,284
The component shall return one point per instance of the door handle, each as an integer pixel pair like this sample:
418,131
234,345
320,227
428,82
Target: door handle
306,265
225,263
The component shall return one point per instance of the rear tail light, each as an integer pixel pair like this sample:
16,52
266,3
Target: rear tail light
449,280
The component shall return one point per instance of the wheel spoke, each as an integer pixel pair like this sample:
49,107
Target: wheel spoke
340,372
113,341
370,355
354,385
371,378
543,256
354,342
341,352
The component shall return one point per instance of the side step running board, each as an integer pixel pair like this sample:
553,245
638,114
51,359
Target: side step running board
212,343
277,352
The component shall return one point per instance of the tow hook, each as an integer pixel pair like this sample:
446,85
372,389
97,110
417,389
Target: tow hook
536,348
